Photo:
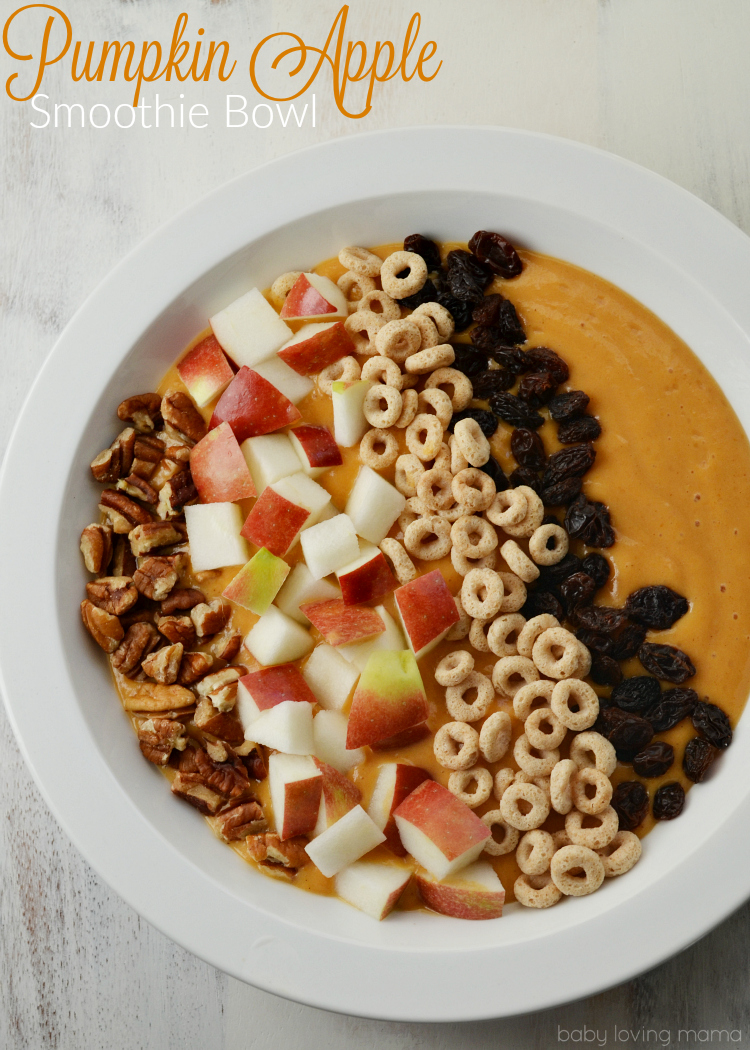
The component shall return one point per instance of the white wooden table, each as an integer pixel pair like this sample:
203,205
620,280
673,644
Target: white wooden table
662,82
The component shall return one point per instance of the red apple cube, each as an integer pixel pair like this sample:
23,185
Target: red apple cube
339,796
315,346
205,371
427,611
389,698
296,786
367,578
395,781
219,469
475,892
314,296
274,522
344,842
268,687
399,741
440,831
251,406
339,623
256,584
316,449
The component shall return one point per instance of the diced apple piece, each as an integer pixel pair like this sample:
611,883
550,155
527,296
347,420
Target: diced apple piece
256,584
316,449
307,493
249,329
395,781
372,887
277,639
214,535
330,677
440,831
339,796
373,505
302,587
329,742
344,842
314,296
349,422
315,346
339,623
288,727
400,741
475,892
329,545
285,379
261,690
390,697
219,469
427,610
392,637
274,522
205,371
251,406
296,785
269,457
367,578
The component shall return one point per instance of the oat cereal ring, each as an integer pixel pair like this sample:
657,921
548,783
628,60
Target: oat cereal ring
472,442
538,765
508,508
583,779
556,653
443,459
575,703
536,891
457,706
460,389
621,854
464,565
406,517
531,521
459,781
478,635
482,593
424,436
452,514
363,326
428,539
596,837
380,369
536,806
454,668
570,859
437,400
397,340
389,309
440,317
400,562
539,544
378,449
561,794
473,489
494,736
346,369
355,286
518,562
512,673
535,693
534,627
282,286
584,661
396,263
434,488
360,261
541,782
382,406
459,461
409,410
593,750
561,838
502,634
430,359
534,725
503,779
494,819
461,628
515,592
534,852
473,536
444,745
427,331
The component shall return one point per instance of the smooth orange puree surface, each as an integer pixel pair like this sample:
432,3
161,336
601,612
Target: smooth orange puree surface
673,465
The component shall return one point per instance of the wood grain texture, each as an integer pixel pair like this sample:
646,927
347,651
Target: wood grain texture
662,82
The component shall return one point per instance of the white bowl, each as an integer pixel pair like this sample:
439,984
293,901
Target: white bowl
662,245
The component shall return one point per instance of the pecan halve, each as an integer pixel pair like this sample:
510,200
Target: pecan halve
142,411
224,726
211,617
174,494
228,676
96,547
158,737
226,645
178,453
178,629
155,578
140,638
138,488
153,534
194,665
197,794
147,455
116,460
268,849
240,821
179,412
124,512
123,562
164,665
182,599
114,594
104,628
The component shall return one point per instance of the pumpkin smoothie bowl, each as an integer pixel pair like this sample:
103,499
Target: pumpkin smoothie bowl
419,577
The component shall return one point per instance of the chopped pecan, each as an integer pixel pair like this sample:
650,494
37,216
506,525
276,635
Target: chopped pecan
218,680
178,629
206,574
147,455
179,560
138,488
217,751
178,453
158,737
197,794
253,760
239,821
268,850
123,562
224,726
181,600
153,697
194,665
116,460
155,578
114,594
142,411
211,617
180,413
145,538
123,512
174,494
226,645
104,628
226,778
140,639
225,698
164,664
96,547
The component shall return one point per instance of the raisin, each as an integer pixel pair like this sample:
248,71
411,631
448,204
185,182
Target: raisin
512,410
486,420
423,246
493,381
626,731
542,359
577,589
426,294
585,428
598,568
495,471
589,521
656,607
594,641
467,276
488,311
604,670
459,310
628,641
713,724
537,388
601,618
561,492
568,405
513,359
551,576
497,252
539,602
570,463
666,662
505,332
525,476
637,694
669,801
630,802
698,758
654,760
469,360
673,706
528,448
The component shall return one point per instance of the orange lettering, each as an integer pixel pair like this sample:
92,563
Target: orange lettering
44,60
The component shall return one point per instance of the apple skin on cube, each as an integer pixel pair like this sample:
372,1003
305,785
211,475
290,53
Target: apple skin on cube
372,887
314,296
347,840
219,469
277,639
251,406
287,727
339,623
349,421
315,346
249,329
395,781
301,489
475,892
367,578
329,742
301,587
392,637
339,796
316,449
400,741
285,379
270,686
205,371
256,584
427,610
269,458
214,535
274,522
373,505
390,697
440,831
296,785
330,677
329,545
